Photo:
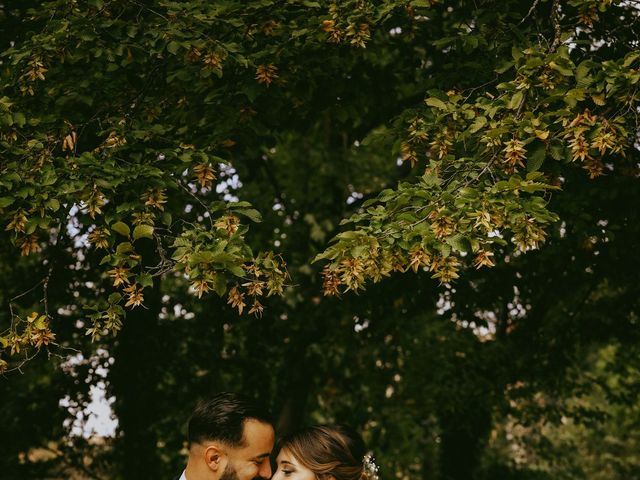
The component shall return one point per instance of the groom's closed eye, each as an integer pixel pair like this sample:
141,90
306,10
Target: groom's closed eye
260,458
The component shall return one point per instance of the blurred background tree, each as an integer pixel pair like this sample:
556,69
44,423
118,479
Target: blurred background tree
132,133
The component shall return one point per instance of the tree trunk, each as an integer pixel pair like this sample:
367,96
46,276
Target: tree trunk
134,379
293,410
462,442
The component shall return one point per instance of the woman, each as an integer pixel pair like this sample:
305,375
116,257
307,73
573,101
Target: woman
324,452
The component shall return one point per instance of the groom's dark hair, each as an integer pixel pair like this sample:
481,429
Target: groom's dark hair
222,418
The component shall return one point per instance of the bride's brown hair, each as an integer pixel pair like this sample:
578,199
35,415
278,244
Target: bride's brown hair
328,450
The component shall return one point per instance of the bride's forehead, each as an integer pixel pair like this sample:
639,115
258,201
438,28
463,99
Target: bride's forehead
285,455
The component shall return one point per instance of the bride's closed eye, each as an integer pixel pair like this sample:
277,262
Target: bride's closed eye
286,470
290,469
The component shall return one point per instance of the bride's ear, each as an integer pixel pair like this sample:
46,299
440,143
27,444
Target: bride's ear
214,458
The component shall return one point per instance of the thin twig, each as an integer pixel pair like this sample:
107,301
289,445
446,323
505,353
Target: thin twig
45,290
555,21
26,360
533,7
20,295
188,190
151,10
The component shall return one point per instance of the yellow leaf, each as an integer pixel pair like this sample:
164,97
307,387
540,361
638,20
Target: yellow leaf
69,142
542,134
41,322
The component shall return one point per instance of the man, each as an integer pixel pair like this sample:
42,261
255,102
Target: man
230,438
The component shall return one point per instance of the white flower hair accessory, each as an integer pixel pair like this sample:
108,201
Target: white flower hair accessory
370,468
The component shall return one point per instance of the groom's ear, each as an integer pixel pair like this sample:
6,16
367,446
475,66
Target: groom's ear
214,457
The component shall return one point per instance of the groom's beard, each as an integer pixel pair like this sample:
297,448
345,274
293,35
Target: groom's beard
229,473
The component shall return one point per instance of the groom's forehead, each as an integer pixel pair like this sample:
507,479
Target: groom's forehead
258,436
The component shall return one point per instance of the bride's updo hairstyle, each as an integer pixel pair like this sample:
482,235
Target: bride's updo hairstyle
328,450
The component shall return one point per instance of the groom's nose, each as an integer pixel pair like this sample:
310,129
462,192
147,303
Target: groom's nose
265,469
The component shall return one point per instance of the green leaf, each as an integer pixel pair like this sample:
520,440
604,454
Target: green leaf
536,159
478,123
201,257
430,178
221,284
241,204
504,67
630,58
179,252
251,213
422,3
124,247
468,193
173,47
459,243
444,249
145,280
236,270
377,135
516,53
515,101
360,251
31,226
6,201
386,195
407,217
566,71
121,228
143,231
223,257
48,178
582,75
52,204
114,297
436,102
557,152
573,96
25,192
7,119
19,119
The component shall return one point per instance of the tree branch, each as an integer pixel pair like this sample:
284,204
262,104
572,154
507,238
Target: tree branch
555,21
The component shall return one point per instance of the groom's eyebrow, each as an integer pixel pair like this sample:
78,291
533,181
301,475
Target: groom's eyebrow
261,456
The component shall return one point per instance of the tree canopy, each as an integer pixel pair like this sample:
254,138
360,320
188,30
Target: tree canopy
466,168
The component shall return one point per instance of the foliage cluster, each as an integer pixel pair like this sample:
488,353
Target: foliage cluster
154,152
